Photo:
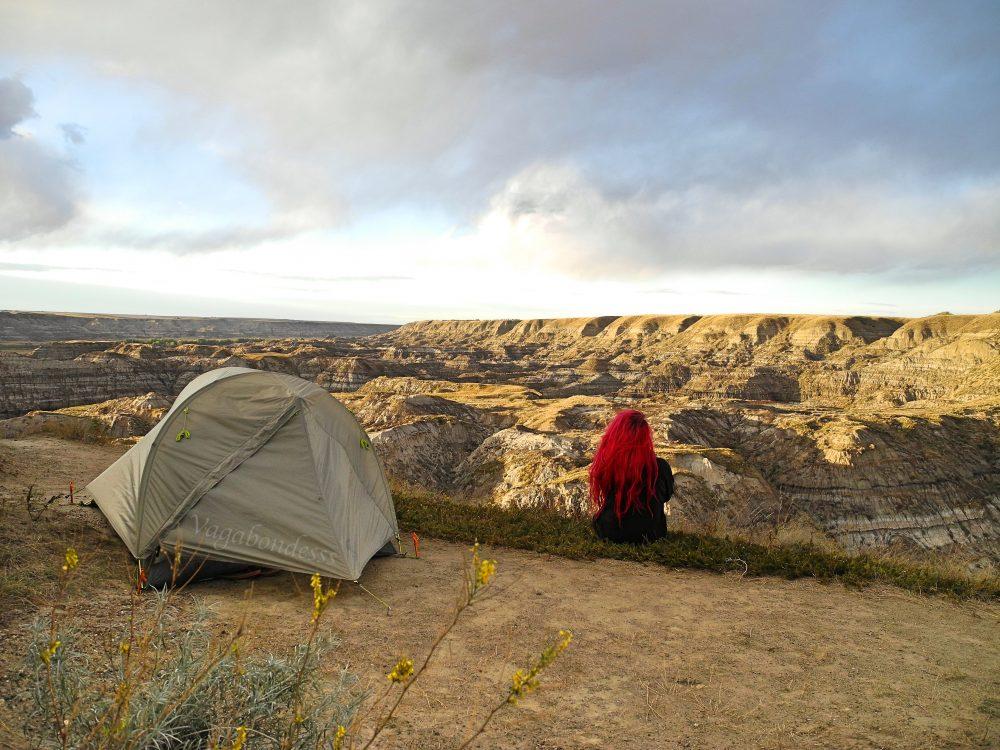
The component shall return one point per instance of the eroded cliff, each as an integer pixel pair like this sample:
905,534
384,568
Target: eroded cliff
873,430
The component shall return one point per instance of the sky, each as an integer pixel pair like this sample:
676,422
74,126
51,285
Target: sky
392,161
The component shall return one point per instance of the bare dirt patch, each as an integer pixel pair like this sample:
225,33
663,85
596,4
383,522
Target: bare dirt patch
661,658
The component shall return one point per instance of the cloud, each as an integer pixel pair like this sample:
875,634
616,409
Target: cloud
669,134
190,241
335,279
552,216
37,186
16,104
74,133
40,268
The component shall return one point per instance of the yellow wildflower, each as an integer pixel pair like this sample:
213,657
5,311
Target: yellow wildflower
566,637
72,560
402,671
320,597
485,571
338,740
524,681
482,570
241,738
124,647
123,696
47,654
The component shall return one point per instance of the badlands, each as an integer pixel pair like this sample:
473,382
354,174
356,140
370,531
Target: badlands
873,432
863,432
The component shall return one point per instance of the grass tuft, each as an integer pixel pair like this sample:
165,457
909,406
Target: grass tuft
546,532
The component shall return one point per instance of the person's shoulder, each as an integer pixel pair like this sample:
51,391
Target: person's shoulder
664,477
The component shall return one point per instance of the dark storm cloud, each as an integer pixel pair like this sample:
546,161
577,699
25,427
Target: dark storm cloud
609,137
37,186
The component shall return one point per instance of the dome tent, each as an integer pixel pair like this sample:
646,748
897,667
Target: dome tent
253,467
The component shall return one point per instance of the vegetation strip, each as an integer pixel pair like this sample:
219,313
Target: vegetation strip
549,533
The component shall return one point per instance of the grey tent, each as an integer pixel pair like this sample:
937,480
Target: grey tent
253,467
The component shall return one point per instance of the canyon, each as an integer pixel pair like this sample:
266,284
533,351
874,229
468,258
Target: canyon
874,432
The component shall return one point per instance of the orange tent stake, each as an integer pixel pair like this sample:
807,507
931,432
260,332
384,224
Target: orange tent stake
416,544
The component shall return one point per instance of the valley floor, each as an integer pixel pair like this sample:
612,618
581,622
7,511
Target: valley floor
660,659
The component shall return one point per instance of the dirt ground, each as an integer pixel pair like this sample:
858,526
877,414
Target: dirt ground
660,659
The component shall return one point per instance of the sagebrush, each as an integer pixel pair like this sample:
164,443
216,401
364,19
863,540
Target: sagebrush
158,682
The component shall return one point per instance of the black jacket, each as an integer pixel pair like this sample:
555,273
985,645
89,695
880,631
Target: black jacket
640,525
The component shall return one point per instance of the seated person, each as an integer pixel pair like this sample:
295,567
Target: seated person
629,484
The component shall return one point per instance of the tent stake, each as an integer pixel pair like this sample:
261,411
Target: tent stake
388,609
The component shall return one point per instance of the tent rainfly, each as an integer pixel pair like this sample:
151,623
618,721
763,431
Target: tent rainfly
255,467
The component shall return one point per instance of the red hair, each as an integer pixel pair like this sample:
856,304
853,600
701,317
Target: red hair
625,465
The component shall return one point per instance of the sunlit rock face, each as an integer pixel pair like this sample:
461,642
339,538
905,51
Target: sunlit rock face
869,479
874,431
125,417
518,467
425,452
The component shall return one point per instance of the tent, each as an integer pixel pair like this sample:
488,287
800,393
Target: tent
253,467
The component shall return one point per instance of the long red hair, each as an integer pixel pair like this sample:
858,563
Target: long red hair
625,465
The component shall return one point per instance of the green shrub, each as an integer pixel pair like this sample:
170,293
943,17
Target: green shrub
165,684
549,533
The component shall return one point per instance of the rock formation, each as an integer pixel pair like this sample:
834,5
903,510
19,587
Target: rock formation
119,418
875,431
18,325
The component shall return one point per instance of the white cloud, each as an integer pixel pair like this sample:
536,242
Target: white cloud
591,139
37,185
552,216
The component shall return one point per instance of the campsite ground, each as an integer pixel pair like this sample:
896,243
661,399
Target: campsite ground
661,658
